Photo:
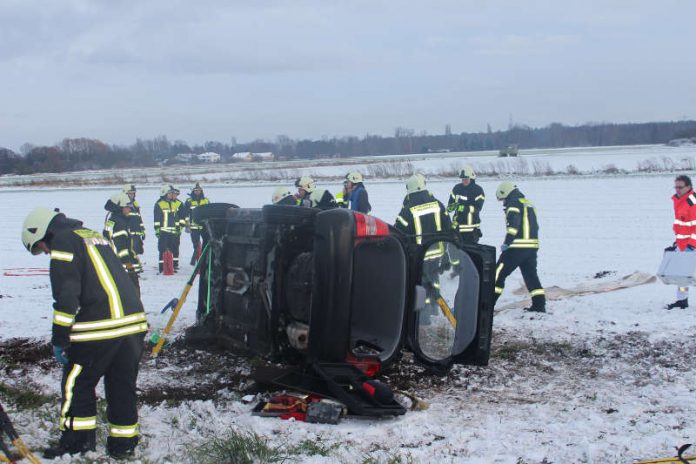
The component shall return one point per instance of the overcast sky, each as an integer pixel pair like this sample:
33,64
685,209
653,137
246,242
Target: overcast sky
211,70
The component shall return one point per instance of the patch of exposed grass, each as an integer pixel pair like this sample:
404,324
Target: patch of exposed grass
388,458
240,448
26,398
314,448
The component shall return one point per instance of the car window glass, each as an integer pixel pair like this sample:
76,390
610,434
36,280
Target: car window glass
436,321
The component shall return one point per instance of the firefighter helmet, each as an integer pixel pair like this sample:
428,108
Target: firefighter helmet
168,188
354,177
415,183
467,173
35,227
280,193
504,189
197,187
121,200
306,183
128,188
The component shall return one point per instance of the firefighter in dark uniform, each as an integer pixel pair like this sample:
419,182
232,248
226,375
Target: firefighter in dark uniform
199,236
98,329
423,214
117,229
136,220
466,202
168,224
283,196
520,246
309,195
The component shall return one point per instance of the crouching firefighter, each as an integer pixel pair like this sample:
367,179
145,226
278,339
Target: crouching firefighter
98,330
520,246
423,214
123,233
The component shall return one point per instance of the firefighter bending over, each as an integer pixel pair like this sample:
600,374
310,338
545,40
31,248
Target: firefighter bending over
98,329
117,229
520,246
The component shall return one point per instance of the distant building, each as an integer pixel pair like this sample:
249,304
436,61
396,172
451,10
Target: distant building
250,156
185,157
209,157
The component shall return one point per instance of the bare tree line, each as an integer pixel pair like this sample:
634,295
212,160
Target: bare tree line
85,153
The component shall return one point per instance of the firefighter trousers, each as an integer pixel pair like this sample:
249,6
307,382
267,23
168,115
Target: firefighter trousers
526,260
168,241
117,361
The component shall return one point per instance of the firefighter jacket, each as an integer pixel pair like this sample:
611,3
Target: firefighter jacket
420,215
94,297
466,202
685,219
341,200
168,217
135,223
187,211
521,221
117,230
359,199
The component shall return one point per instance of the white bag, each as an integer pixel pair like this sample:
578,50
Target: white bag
678,268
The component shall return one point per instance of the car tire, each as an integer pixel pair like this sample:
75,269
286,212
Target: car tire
212,211
290,215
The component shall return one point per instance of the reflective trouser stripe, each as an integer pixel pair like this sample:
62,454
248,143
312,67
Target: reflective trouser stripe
124,431
499,290
537,292
498,269
79,423
69,390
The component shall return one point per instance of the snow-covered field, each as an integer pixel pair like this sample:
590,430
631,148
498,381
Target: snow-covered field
600,378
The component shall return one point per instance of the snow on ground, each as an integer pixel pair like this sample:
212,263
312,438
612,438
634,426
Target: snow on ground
600,378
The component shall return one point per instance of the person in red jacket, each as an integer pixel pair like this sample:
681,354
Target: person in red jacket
684,229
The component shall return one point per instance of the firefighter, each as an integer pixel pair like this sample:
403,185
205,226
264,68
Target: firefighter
305,186
137,227
283,196
117,230
423,214
310,196
98,330
199,236
466,202
357,194
168,224
520,246
684,229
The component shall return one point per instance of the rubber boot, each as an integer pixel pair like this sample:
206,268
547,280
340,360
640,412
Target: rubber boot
681,304
72,442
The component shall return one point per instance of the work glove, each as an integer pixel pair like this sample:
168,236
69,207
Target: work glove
59,354
504,247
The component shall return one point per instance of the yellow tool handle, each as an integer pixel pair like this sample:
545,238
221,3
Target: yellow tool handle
170,323
446,311
24,451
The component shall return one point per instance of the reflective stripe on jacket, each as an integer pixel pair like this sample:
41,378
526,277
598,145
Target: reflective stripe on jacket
94,297
522,228
685,219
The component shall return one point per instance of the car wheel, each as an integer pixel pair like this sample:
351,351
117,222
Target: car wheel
212,211
290,215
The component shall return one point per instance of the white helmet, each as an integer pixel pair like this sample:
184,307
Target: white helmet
415,183
35,227
306,183
354,177
167,188
504,189
121,200
280,193
467,172
128,188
